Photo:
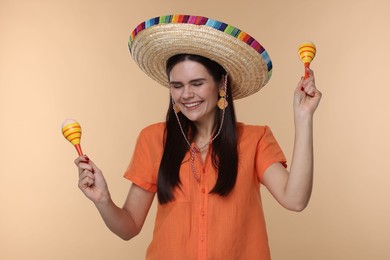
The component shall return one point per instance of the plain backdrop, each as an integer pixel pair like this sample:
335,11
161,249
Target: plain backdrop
69,59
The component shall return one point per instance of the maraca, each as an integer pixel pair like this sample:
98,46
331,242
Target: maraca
72,132
307,51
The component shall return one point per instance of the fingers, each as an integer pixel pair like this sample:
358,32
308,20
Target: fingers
86,176
308,85
83,163
300,85
310,72
86,179
309,88
95,169
82,158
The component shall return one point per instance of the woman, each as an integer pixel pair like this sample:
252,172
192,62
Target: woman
204,166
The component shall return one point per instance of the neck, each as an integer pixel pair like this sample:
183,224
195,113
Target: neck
205,131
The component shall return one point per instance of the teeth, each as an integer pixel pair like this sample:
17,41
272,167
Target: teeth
192,104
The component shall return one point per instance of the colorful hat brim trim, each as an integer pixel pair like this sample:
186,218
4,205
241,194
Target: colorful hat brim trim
200,20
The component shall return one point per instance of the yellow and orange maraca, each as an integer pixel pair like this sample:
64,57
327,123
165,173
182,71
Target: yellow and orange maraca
307,51
71,130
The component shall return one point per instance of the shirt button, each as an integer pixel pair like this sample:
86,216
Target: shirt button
202,213
202,238
203,190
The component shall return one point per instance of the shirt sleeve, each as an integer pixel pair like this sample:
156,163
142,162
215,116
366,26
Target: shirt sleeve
145,162
268,152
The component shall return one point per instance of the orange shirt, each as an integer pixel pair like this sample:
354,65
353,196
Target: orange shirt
199,225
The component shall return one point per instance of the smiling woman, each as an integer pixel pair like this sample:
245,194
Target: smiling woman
205,167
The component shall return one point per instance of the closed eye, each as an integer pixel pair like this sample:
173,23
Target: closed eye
175,85
197,82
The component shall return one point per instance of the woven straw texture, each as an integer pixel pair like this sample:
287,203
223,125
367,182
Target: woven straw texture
153,46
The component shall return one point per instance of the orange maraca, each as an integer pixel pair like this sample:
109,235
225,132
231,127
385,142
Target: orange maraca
307,51
71,130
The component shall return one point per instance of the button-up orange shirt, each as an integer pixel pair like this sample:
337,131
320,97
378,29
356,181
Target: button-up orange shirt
200,225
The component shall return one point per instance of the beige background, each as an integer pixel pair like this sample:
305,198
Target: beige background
61,59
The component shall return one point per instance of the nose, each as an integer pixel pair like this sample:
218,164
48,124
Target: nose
187,92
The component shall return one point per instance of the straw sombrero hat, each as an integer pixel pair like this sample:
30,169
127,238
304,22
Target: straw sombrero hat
154,41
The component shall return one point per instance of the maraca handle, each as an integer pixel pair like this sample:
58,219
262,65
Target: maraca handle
307,65
78,149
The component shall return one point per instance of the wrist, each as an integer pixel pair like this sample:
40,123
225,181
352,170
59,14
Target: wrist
303,118
103,201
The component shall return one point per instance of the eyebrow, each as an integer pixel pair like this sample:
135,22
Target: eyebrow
191,81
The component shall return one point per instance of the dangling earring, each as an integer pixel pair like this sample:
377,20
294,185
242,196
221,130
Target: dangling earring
222,102
176,108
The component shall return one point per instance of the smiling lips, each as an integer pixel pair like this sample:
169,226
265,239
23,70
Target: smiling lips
191,105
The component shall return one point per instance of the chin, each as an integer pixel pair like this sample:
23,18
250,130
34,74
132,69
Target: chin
192,118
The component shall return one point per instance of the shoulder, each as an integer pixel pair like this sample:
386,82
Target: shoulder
252,131
153,134
259,140
154,129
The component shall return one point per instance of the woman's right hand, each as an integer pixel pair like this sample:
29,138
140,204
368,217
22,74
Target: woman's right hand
91,180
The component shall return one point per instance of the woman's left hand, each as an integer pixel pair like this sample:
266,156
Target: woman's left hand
306,96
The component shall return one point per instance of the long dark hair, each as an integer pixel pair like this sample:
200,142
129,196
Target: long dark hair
224,147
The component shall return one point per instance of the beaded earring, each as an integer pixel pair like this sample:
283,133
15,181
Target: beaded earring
222,102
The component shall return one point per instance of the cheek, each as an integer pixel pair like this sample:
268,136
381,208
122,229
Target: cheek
175,94
214,96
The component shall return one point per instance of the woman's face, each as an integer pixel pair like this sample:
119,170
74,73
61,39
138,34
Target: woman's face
194,91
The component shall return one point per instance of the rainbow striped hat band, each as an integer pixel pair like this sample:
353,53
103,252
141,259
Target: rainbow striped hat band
154,41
